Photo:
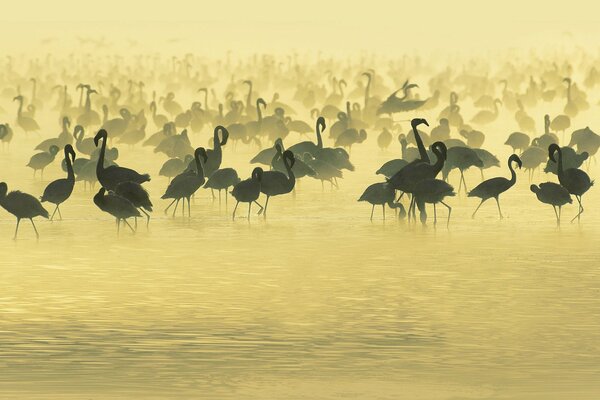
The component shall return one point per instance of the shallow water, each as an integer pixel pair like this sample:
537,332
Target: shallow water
314,302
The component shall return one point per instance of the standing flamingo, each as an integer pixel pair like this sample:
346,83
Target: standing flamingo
21,205
574,180
494,187
58,191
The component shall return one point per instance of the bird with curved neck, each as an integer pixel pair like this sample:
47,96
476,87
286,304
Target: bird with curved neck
215,155
308,146
494,187
576,181
117,206
275,183
184,185
111,176
58,191
248,190
21,205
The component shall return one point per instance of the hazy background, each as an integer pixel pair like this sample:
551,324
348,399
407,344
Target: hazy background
278,26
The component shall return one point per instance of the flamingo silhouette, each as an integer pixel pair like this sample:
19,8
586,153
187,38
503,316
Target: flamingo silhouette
494,187
21,205
58,191
574,180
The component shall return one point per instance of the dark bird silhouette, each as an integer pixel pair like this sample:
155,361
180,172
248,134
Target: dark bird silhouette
248,190
21,205
41,160
461,158
117,206
494,187
58,191
433,191
553,194
574,180
184,185
215,155
275,183
111,176
380,194
137,195
222,179
308,146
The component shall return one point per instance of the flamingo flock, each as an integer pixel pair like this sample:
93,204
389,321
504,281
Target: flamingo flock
347,106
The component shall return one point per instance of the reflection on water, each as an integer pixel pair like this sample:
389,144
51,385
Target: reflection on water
316,301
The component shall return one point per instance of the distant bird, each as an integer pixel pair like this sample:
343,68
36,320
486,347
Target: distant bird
21,205
461,158
474,138
248,190
137,195
485,117
83,145
308,146
574,180
41,160
184,185
174,166
28,124
222,179
275,183
394,104
6,134
380,194
553,194
441,132
111,176
532,158
58,191
384,139
117,206
518,141
433,191
494,187
350,137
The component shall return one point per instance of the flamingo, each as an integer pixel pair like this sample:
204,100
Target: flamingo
574,180
58,191
248,190
494,187
21,205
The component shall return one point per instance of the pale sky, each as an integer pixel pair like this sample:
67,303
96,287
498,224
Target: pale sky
277,25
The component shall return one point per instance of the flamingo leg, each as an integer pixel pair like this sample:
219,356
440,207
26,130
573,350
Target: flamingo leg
499,211
264,212
434,215
52,216
147,217
189,211
37,235
249,207
58,209
372,209
261,207
17,228
449,212
175,208
578,216
464,181
167,209
383,208
118,225
236,206
475,212
130,227
556,213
